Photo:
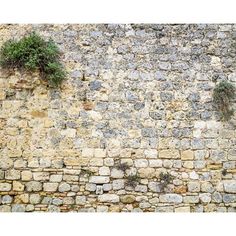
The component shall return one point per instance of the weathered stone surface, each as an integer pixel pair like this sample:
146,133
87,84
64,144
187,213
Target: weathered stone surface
194,187
108,198
34,186
205,197
118,184
18,208
230,186
154,187
6,199
169,154
99,179
187,155
5,163
50,187
18,186
35,198
171,198
137,101
5,187
64,187
80,200
117,174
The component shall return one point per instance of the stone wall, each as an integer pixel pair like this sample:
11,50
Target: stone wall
135,94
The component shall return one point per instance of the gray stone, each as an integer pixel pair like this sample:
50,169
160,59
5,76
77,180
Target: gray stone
141,188
164,65
228,198
99,189
154,187
230,186
12,174
118,184
57,201
5,163
191,199
34,186
156,115
107,187
80,200
166,96
131,96
194,97
149,132
64,187
207,187
18,208
53,208
205,197
139,106
197,143
194,187
95,85
216,197
35,198
171,198
90,187
7,199
76,74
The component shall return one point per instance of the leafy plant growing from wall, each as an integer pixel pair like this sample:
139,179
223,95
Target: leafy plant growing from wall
223,93
33,53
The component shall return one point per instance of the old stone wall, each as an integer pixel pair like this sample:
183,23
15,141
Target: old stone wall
135,94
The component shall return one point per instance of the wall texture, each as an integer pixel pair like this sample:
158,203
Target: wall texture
135,94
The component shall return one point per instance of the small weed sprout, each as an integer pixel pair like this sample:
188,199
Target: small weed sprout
122,166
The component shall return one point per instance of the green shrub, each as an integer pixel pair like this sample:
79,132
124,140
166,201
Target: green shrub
34,53
222,94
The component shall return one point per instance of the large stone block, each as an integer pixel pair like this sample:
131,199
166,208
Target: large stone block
171,198
230,186
111,198
169,154
99,179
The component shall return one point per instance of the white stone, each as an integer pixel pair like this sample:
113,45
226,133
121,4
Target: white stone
117,174
64,187
104,170
113,198
141,163
99,179
55,178
50,187
118,184
193,175
205,197
152,153
5,187
230,186
71,133
155,163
